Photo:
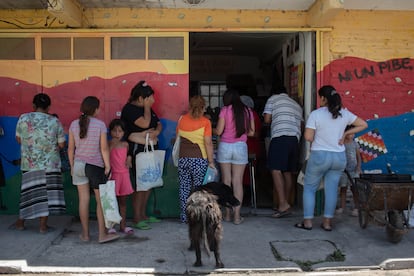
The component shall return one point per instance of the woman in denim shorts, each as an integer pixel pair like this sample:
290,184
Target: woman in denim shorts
235,123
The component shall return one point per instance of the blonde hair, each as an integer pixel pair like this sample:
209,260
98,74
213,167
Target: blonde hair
197,104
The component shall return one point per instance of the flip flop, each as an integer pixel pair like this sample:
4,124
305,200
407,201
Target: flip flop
281,214
83,239
142,225
152,220
301,225
47,230
238,221
112,231
328,229
109,238
128,231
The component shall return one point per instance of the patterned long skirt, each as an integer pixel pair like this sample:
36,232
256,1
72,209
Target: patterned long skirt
41,194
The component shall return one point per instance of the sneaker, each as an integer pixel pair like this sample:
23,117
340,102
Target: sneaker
339,211
355,213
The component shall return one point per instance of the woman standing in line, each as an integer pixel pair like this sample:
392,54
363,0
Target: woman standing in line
325,130
196,150
140,120
235,123
88,153
40,136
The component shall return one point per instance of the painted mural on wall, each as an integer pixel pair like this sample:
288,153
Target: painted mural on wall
171,95
382,93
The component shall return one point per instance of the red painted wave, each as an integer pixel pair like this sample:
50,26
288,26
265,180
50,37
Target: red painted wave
171,95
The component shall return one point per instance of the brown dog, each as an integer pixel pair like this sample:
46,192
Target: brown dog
204,217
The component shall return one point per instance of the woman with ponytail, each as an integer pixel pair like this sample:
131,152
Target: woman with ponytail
325,130
88,153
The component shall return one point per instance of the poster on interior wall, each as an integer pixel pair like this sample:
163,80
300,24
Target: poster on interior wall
293,82
296,74
301,79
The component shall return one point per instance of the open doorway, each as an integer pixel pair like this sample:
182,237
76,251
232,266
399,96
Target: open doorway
255,63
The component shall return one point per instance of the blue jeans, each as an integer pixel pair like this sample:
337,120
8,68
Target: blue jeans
329,166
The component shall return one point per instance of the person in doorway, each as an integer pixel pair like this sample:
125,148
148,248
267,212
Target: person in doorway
196,150
254,145
140,120
88,153
286,117
121,162
235,123
352,171
325,130
253,142
40,136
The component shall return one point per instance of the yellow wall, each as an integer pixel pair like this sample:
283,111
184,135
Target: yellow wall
376,36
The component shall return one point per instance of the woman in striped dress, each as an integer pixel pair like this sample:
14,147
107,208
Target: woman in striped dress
40,136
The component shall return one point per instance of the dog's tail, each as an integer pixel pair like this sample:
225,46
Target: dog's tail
205,238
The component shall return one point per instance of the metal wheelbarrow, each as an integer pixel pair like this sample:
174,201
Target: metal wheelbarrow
391,193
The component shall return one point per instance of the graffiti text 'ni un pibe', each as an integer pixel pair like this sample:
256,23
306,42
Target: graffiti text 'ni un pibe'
380,68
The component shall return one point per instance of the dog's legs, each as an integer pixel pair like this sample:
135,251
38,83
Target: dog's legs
192,247
219,263
214,246
198,254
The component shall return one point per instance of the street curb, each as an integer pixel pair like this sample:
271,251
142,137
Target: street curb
12,267
395,264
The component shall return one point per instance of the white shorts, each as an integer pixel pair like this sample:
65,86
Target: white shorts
78,173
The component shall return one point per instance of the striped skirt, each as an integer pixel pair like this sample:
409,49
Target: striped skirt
41,194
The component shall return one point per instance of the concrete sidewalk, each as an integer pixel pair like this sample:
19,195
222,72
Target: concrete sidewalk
260,244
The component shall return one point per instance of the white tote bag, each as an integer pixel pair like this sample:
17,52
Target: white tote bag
109,204
175,154
301,176
149,166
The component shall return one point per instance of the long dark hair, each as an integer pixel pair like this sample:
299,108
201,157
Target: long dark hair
88,108
333,99
241,115
141,89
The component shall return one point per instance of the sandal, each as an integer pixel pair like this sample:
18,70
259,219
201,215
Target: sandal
112,231
301,225
152,220
19,225
326,228
238,221
46,230
83,239
128,231
108,238
281,214
142,225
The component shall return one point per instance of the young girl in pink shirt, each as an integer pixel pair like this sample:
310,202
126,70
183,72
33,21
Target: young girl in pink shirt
120,164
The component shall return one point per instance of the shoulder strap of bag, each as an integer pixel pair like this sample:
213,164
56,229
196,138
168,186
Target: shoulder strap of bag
148,141
179,119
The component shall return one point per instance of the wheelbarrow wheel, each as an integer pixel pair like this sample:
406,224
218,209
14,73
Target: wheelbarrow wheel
363,218
395,226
